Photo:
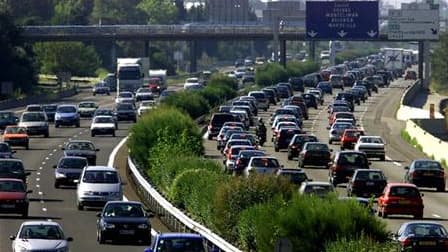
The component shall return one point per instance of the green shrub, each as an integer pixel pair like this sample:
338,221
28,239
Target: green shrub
191,102
216,94
193,189
167,120
308,222
270,74
263,78
241,193
220,79
297,68
362,244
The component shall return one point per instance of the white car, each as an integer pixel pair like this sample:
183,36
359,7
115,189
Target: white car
40,236
98,185
102,125
317,188
144,94
87,108
373,146
145,106
191,82
125,97
262,165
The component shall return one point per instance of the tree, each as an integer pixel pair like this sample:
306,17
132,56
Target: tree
16,57
440,64
159,11
73,57
26,12
72,12
116,12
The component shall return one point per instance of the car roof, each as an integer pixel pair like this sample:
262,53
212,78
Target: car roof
124,202
72,157
180,235
11,179
373,137
291,170
10,159
422,222
401,184
99,168
103,116
317,183
79,141
41,223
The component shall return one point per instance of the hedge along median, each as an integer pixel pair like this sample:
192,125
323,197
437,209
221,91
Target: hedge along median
273,73
167,144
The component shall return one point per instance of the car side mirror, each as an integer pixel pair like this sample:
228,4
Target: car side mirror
62,148
310,179
148,250
97,149
54,166
12,237
406,167
331,150
29,191
328,127
422,194
76,181
370,163
69,239
150,214
14,151
282,166
98,215
27,173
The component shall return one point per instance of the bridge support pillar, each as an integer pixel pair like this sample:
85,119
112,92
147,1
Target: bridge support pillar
420,60
312,55
113,55
283,52
427,65
193,58
147,49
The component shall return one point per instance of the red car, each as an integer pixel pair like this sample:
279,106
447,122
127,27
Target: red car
400,198
13,196
350,137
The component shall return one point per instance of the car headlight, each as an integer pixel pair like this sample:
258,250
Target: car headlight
108,225
143,226
5,138
59,175
88,193
115,194
22,249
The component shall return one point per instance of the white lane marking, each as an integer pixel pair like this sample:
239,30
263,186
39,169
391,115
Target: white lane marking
37,173
69,139
46,158
43,163
54,150
44,209
40,168
75,136
42,201
80,133
437,216
37,179
50,154
60,145
37,186
41,193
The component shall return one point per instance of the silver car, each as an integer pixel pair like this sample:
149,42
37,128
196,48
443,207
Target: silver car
36,123
262,165
336,131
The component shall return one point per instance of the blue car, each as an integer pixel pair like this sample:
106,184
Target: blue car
325,86
67,115
178,242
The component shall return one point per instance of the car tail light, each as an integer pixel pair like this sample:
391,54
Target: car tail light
406,242
442,174
338,167
293,146
357,183
414,174
209,126
238,162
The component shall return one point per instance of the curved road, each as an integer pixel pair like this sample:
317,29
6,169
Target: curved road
46,202
377,116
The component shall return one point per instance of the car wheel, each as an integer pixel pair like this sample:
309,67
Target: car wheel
92,134
113,134
333,181
56,125
108,93
266,109
300,164
289,156
382,158
25,213
27,146
209,137
342,147
418,216
276,149
94,94
383,214
378,212
78,125
134,120
441,188
79,206
47,134
100,237
330,141
56,184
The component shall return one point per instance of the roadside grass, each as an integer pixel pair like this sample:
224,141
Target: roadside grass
411,140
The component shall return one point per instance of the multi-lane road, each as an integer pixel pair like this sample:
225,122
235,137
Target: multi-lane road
46,202
377,116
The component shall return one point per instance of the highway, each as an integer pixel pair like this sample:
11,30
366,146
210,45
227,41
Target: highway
377,116
46,202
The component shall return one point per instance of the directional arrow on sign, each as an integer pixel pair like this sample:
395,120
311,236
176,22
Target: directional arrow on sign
434,31
372,33
312,33
342,33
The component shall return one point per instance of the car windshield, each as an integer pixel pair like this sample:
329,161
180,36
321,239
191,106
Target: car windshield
144,90
45,232
342,125
317,147
265,162
7,167
427,165
425,229
355,159
33,117
295,177
15,130
4,147
404,191
125,95
80,146
33,108
249,154
72,163
104,120
100,177
6,115
104,112
50,108
123,210
304,139
125,106
87,105
236,151
369,175
12,186
238,142
373,140
66,109
319,190
180,244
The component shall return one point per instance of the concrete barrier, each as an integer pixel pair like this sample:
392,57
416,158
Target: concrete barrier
431,145
39,99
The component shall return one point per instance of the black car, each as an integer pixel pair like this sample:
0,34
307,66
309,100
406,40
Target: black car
13,168
6,151
271,95
421,236
295,176
283,92
126,112
344,164
283,138
426,173
297,84
81,148
68,170
297,142
123,220
8,118
310,100
366,183
314,153
345,96
101,88
50,110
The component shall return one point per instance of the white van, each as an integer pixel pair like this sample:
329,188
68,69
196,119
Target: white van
98,185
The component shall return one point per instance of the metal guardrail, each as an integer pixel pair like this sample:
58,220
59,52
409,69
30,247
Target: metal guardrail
169,214
13,103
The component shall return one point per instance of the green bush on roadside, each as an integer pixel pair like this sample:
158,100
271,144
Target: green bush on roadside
299,69
308,222
191,102
241,193
146,133
273,73
222,80
356,245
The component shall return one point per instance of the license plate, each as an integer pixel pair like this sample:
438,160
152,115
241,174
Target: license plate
427,174
8,206
127,232
427,243
370,183
404,202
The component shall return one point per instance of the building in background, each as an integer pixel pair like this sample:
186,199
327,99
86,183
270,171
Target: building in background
228,11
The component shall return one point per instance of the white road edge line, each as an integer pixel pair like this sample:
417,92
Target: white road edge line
437,216
111,162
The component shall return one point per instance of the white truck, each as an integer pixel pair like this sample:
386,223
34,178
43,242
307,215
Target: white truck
131,73
157,80
393,60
